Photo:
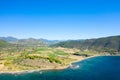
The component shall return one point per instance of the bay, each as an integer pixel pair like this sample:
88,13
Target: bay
95,68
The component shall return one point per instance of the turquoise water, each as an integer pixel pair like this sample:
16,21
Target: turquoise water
97,68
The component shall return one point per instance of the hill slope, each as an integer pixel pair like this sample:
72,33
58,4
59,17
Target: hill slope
8,39
49,42
4,43
101,44
30,42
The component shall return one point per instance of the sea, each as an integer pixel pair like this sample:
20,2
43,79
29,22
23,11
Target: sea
95,68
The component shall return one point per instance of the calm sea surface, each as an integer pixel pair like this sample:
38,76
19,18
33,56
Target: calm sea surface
97,68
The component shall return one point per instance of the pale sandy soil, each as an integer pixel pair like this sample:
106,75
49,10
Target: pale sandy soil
77,58
1,66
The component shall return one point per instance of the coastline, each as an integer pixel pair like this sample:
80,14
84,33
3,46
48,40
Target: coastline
41,69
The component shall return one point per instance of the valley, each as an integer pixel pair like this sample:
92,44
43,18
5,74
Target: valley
32,54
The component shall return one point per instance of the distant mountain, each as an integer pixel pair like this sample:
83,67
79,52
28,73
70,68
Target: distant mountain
49,41
8,39
24,42
101,44
29,42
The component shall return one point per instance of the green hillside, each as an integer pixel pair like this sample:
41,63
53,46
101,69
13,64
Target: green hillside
106,44
4,43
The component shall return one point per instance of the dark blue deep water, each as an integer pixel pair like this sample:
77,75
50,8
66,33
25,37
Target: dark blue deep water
97,68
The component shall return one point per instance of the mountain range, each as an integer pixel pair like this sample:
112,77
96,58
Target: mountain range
107,44
29,41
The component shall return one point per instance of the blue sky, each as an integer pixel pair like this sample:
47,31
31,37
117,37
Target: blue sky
59,19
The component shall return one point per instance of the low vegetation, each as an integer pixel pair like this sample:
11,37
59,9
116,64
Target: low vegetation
17,58
30,54
107,45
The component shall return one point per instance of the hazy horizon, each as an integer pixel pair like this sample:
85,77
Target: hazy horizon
59,20
59,39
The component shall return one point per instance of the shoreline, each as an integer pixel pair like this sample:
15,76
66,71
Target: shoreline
37,70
